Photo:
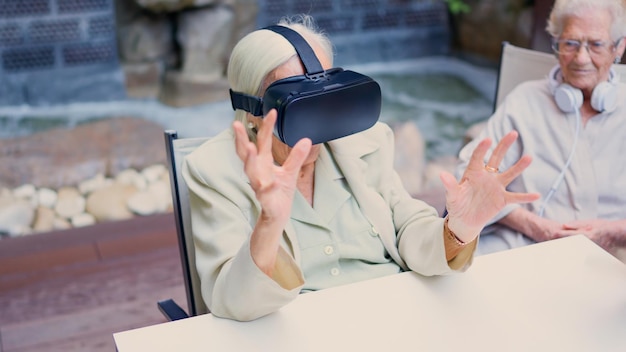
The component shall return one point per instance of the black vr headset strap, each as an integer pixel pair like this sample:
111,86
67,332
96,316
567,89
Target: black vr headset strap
249,103
305,52
313,67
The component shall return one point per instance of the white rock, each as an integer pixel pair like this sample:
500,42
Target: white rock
44,219
162,193
69,202
109,203
83,219
19,231
61,224
26,191
140,182
26,209
126,177
156,199
143,203
131,177
153,172
165,177
16,215
92,184
47,197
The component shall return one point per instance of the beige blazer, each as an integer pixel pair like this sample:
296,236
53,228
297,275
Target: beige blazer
224,211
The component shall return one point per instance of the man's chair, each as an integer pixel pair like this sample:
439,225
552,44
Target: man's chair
176,149
519,64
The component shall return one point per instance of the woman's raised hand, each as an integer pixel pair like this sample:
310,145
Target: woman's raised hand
481,192
274,186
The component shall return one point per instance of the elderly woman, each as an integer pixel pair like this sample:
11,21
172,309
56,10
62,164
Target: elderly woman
574,124
271,221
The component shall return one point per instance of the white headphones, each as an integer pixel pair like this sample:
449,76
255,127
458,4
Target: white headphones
569,99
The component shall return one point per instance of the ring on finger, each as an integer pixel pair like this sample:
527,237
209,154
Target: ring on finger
491,169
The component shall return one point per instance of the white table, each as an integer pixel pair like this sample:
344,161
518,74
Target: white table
561,295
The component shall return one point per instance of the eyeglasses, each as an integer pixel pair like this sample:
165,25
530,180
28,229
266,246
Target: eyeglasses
572,46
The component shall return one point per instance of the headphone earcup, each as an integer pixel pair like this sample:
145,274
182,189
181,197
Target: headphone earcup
604,97
568,98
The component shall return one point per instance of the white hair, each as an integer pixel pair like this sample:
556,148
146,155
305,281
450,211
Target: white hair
567,8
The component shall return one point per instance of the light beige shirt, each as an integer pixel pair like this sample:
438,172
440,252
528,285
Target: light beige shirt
338,244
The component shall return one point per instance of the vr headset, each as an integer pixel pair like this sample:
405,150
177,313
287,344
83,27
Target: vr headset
321,104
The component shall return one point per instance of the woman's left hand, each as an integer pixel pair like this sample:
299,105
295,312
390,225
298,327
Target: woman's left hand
608,234
481,192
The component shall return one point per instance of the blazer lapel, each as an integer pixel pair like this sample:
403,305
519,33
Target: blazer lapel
350,158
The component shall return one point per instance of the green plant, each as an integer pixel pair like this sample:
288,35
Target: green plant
457,6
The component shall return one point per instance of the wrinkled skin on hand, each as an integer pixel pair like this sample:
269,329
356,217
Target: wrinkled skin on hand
603,232
481,194
274,187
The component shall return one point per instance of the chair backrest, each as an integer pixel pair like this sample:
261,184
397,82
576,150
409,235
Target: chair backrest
176,150
519,64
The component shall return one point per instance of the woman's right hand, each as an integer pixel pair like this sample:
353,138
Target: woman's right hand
274,186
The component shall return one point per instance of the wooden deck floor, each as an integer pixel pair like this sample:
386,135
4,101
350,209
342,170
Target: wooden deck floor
71,290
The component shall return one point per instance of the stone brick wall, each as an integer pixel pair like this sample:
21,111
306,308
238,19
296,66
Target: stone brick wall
371,30
57,51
